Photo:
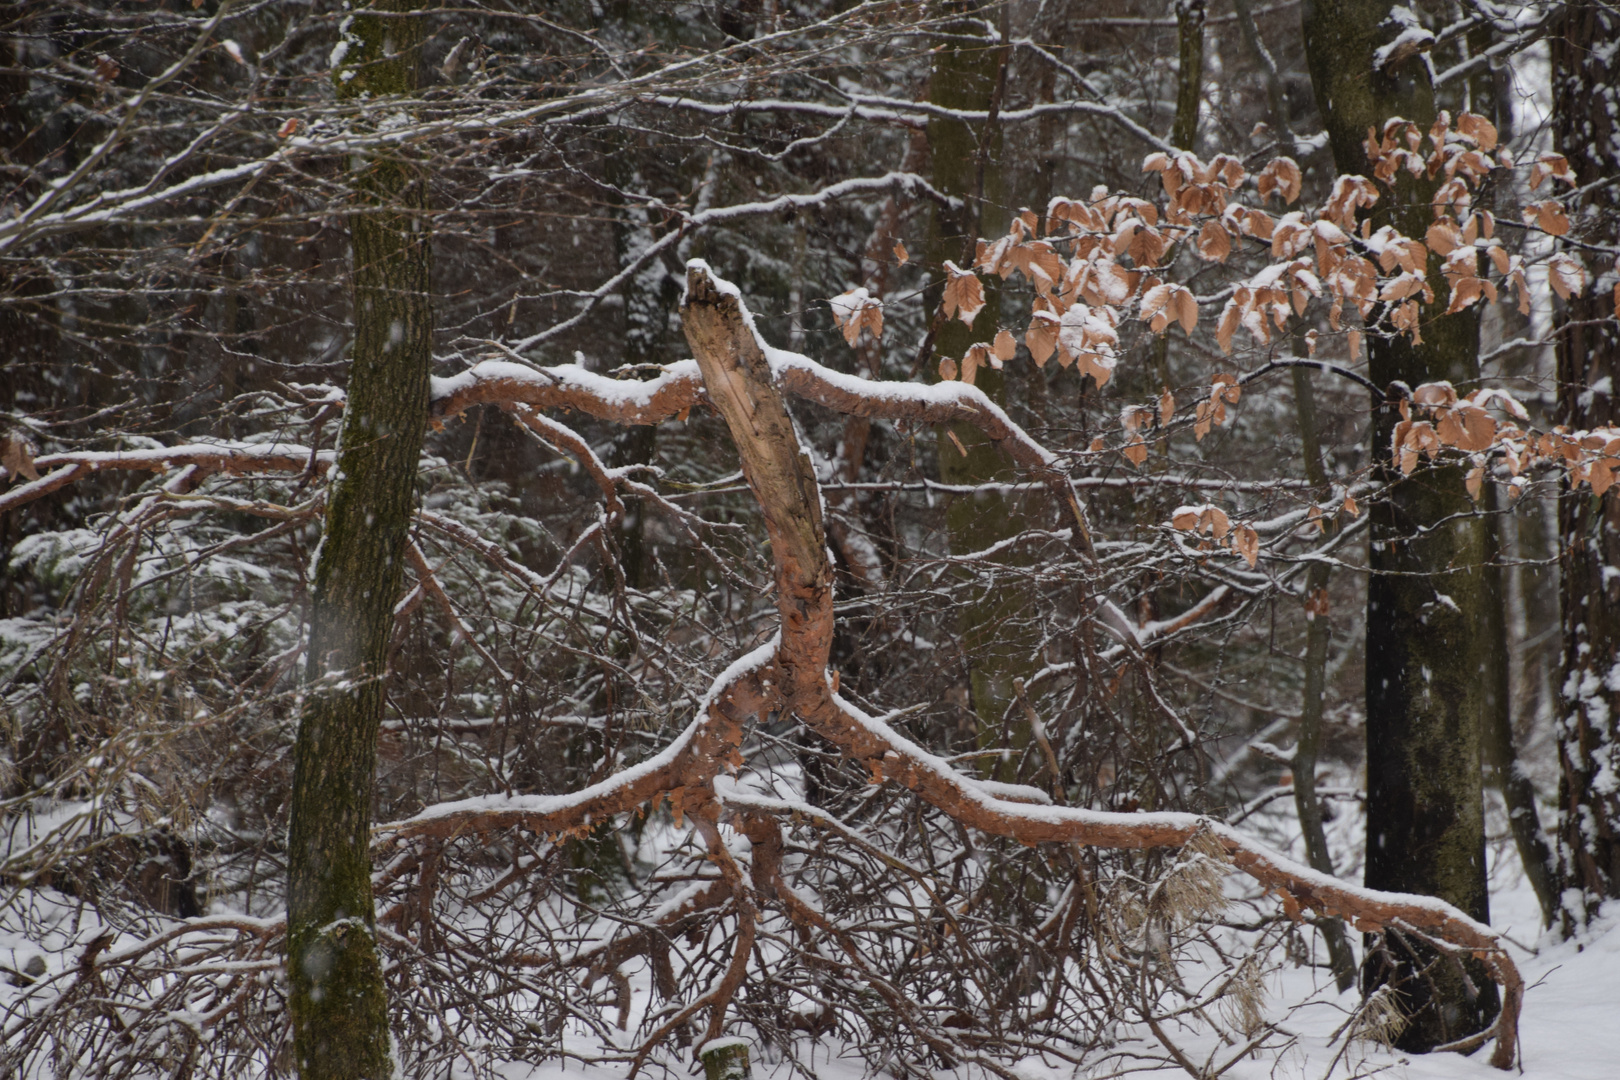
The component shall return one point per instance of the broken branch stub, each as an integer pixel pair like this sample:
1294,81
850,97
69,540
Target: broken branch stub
742,388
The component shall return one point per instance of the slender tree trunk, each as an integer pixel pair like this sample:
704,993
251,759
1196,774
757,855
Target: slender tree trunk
1427,599
1586,130
337,996
1318,628
1190,16
1496,738
1318,631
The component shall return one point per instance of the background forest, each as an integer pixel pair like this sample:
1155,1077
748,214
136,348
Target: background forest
921,535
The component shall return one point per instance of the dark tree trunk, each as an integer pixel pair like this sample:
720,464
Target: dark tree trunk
1190,17
1586,102
337,997
1427,600
1496,738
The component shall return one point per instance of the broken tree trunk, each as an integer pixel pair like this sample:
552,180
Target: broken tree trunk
741,384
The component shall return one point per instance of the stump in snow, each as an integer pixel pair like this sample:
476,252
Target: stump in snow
725,1059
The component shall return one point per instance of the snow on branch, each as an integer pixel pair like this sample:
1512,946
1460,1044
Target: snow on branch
738,377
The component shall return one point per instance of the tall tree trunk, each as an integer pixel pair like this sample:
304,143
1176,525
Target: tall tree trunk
1502,769
1586,130
1427,645
1190,17
1318,631
1496,738
967,163
337,996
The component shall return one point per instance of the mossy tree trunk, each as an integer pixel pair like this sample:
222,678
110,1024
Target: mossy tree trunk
337,996
1586,130
966,162
1428,646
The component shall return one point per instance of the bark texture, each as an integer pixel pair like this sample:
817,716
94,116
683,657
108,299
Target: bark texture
1428,651
337,997
1190,18
966,162
1497,742
1502,769
1586,130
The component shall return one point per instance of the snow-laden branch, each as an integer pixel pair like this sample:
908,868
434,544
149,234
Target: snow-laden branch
883,109
683,770
1526,35
203,458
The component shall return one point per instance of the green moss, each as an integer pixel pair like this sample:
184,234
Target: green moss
1428,642
964,161
337,998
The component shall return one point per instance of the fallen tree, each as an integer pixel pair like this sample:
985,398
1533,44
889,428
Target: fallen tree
744,379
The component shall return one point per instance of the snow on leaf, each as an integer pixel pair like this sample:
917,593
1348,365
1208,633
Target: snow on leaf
1548,216
856,310
1479,129
1566,275
1553,165
964,294
1281,176
1214,243
1042,336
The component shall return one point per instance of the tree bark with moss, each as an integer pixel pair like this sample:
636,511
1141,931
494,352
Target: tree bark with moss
1427,598
337,996
965,161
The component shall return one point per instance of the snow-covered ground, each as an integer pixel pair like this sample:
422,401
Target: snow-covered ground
1570,1025
1569,1028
